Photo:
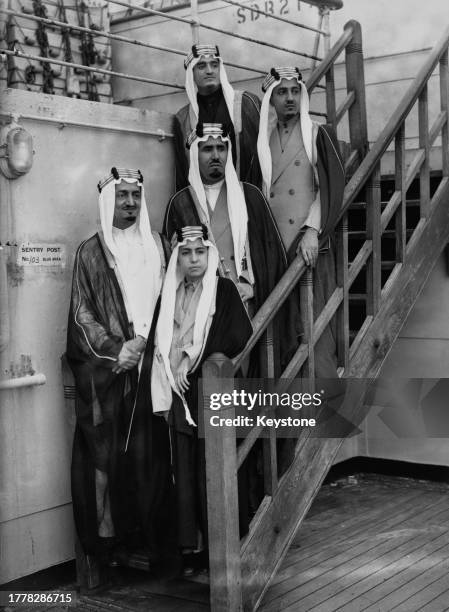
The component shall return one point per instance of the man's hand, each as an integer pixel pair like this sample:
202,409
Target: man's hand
308,247
181,376
137,344
129,355
245,290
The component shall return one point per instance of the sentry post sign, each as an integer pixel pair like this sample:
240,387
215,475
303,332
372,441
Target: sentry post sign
41,254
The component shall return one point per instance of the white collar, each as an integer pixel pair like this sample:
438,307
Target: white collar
214,186
127,231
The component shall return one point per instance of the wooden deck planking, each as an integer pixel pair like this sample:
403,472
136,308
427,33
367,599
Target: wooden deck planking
350,579
298,558
141,601
356,525
405,576
339,595
349,556
371,546
440,603
326,550
421,591
378,558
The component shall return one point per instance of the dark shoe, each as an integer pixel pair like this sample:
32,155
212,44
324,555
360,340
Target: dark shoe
188,571
118,557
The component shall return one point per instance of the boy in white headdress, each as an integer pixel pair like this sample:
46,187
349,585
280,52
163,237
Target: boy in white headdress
303,179
117,279
201,314
212,99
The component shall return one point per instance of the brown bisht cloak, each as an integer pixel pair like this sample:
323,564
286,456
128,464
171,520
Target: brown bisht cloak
213,109
97,328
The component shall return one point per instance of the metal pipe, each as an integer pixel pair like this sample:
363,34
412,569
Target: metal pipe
62,24
212,28
4,302
325,12
23,381
257,41
3,45
108,35
195,22
294,23
144,9
61,123
316,44
90,69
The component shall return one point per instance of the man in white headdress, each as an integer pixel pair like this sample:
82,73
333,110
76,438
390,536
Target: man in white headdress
303,179
212,99
239,222
117,280
201,314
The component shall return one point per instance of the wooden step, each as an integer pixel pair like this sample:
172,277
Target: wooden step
362,205
390,234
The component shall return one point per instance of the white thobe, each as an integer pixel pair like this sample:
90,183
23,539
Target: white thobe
135,275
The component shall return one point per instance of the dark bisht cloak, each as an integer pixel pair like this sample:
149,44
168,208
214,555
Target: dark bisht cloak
229,332
213,109
268,258
331,178
97,328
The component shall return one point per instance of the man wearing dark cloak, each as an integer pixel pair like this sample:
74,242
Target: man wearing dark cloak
117,279
213,100
201,314
241,226
303,178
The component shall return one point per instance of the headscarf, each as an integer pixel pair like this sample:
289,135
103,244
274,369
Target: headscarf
152,267
268,120
162,379
198,52
238,214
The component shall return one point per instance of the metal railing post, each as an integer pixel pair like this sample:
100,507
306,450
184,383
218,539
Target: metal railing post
195,22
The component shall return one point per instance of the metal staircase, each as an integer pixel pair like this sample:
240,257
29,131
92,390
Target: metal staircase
387,243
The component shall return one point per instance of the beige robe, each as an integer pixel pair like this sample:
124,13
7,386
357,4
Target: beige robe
184,321
294,200
292,196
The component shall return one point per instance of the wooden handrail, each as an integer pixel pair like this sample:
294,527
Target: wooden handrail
270,307
330,58
367,166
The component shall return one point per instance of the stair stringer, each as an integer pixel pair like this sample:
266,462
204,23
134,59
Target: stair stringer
274,528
